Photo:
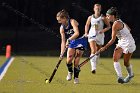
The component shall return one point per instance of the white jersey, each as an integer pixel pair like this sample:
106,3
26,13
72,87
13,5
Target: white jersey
124,34
125,39
97,25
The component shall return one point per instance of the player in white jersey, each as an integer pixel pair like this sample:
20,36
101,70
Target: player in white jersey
96,33
126,45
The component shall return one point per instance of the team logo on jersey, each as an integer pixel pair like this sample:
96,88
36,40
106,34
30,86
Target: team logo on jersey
69,32
96,26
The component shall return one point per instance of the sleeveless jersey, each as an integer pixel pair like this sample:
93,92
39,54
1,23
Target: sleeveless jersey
124,34
97,24
69,30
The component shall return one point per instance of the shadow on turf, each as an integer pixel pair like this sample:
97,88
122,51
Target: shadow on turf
41,71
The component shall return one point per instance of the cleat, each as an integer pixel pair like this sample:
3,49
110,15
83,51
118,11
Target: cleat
128,78
76,81
120,80
93,71
69,76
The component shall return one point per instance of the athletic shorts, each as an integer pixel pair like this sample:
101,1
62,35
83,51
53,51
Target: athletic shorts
127,47
99,38
80,43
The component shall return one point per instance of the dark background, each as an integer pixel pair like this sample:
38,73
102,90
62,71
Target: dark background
31,28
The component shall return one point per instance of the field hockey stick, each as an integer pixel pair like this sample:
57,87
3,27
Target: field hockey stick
54,71
86,60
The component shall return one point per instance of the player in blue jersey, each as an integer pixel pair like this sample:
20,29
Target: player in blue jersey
71,38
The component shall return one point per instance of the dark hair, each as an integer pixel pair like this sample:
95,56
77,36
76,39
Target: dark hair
113,11
63,14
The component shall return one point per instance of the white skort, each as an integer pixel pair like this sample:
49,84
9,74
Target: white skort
128,47
99,38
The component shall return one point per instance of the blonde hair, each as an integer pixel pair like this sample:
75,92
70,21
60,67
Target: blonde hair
63,14
97,5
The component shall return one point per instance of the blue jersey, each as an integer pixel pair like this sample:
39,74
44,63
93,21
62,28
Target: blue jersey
68,30
78,43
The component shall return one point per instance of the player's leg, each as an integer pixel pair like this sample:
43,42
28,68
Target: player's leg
93,48
100,42
127,58
116,56
98,56
70,55
78,55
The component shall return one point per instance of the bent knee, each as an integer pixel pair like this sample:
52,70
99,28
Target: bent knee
78,55
115,59
69,57
126,63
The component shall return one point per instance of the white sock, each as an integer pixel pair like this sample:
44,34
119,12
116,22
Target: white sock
117,67
129,70
98,56
93,62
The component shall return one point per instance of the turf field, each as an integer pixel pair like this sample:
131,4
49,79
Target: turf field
27,75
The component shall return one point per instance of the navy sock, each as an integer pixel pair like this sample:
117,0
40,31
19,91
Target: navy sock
69,66
76,72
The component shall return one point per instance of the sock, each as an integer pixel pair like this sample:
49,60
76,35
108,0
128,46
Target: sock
69,66
76,72
117,67
129,70
98,56
93,62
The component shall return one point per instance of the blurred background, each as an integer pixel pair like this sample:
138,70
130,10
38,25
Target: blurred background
31,28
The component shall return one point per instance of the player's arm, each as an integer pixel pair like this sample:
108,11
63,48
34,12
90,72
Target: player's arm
74,24
87,25
115,28
107,23
63,40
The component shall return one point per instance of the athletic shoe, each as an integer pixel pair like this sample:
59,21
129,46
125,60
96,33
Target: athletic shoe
120,80
76,81
93,71
128,78
69,76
